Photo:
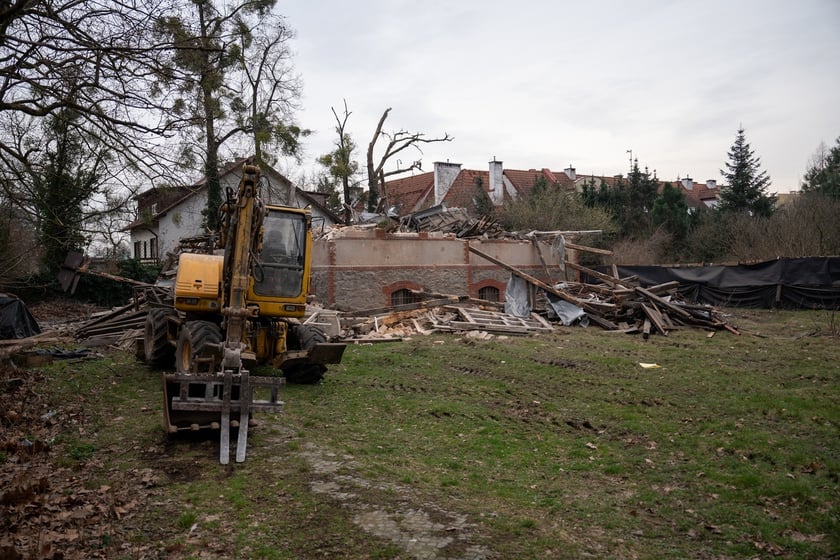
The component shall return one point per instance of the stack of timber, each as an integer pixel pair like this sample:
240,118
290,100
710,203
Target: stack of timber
111,326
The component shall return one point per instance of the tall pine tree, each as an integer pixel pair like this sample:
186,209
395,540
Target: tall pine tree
823,175
746,183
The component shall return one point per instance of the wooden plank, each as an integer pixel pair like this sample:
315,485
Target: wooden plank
660,288
666,304
599,275
602,322
537,317
502,329
655,318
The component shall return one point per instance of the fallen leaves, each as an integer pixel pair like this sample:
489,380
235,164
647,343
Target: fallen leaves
51,508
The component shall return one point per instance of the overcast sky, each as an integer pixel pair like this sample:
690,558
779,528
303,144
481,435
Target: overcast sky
548,83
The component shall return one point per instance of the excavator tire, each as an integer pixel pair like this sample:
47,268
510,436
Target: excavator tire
195,335
306,337
157,350
191,351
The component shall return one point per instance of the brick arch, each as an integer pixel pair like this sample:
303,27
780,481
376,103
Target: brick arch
389,289
488,283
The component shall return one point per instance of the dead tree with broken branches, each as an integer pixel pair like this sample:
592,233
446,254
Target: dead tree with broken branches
397,142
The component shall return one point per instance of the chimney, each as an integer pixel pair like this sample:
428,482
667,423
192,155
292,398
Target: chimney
688,183
497,184
570,172
711,184
445,174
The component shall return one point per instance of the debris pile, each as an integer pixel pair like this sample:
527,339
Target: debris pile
451,220
619,304
438,315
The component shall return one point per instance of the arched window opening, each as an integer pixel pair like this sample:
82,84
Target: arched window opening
488,293
402,297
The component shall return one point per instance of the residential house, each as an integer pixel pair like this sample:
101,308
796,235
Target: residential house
166,215
454,187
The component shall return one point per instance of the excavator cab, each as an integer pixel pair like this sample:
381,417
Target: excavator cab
281,271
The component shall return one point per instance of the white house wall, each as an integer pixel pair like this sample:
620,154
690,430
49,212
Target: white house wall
180,221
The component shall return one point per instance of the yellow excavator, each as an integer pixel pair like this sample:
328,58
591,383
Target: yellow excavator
235,311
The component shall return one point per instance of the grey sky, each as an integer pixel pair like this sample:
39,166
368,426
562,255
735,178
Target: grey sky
551,83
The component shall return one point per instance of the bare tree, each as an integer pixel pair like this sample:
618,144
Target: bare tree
396,142
86,67
93,57
340,162
271,89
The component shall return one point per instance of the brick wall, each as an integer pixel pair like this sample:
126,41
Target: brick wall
362,269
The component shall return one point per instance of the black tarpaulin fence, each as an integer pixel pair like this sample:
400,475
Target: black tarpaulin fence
810,282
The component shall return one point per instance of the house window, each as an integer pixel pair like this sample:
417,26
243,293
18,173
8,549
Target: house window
145,247
488,293
402,297
137,254
153,252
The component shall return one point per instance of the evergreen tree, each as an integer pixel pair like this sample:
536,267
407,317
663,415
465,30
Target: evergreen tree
69,175
602,195
746,183
823,176
641,194
629,200
481,200
670,212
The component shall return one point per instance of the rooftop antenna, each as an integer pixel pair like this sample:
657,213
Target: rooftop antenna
631,158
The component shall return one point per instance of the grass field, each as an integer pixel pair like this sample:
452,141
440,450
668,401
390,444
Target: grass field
557,446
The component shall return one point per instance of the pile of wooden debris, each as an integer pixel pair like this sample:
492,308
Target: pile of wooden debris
620,304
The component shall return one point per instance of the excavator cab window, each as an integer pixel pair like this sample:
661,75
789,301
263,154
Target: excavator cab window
282,258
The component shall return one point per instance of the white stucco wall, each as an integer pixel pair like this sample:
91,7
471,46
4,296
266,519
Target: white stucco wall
183,220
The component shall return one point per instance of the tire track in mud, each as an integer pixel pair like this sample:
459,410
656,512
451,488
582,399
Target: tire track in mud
424,531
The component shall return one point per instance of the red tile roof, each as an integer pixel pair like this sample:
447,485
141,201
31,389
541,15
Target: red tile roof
409,193
414,193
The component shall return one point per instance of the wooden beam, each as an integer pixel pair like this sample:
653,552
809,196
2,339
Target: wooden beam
655,318
586,249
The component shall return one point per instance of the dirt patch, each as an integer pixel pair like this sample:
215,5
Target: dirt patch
393,512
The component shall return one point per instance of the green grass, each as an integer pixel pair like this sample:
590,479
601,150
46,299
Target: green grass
555,446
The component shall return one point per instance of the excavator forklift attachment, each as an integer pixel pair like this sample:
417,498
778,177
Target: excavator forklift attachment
196,401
